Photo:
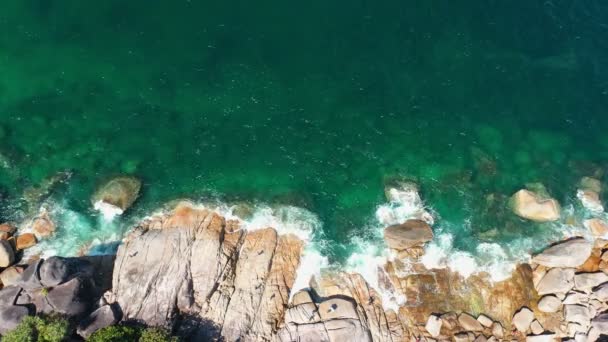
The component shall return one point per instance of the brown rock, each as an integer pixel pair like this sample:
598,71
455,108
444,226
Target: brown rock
43,225
531,206
598,227
469,323
119,192
25,240
409,234
7,228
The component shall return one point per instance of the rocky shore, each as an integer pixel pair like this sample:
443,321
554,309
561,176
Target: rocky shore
206,277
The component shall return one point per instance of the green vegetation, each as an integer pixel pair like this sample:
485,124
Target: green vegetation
124,333
39,329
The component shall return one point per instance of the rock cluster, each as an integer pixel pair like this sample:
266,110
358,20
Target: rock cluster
65,286
11,244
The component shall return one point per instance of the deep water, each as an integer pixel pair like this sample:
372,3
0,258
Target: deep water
316,104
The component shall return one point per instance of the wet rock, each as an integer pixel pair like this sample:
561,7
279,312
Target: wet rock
26,240
598,227
586,281
549,304
42,225
119,193
522,319
556,280
590,200
433,325
7,254
7,228
569,253
101,318
409,234
469,323
531,206
591,184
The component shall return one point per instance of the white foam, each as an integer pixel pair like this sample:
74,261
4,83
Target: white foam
589,203
369,261
107,210
312,263
404,204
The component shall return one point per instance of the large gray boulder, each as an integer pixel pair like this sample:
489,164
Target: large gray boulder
101,318
409,234
556,280
11,316
569,253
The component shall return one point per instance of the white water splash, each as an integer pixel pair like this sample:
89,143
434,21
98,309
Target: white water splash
107,210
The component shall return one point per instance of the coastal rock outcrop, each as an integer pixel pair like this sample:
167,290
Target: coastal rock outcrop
534,207
192,263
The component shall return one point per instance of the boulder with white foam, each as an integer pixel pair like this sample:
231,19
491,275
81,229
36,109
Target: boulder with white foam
534,207
590,200
569,253
116,196
412,233
597,227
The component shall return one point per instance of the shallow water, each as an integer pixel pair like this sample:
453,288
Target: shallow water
316,105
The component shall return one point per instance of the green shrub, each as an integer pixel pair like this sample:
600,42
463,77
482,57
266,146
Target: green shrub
120,333
39,329
116,333
156,335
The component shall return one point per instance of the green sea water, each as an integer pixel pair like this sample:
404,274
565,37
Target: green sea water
315,104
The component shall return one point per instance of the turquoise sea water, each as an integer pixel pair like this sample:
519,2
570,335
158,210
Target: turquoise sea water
315,104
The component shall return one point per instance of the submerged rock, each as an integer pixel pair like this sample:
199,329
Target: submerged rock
117,195
410,234
590,200
42,225
532,206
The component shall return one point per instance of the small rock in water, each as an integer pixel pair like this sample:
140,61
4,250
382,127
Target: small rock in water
116,196
43,225
590,200
409,234
532,206
591,184
598,227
